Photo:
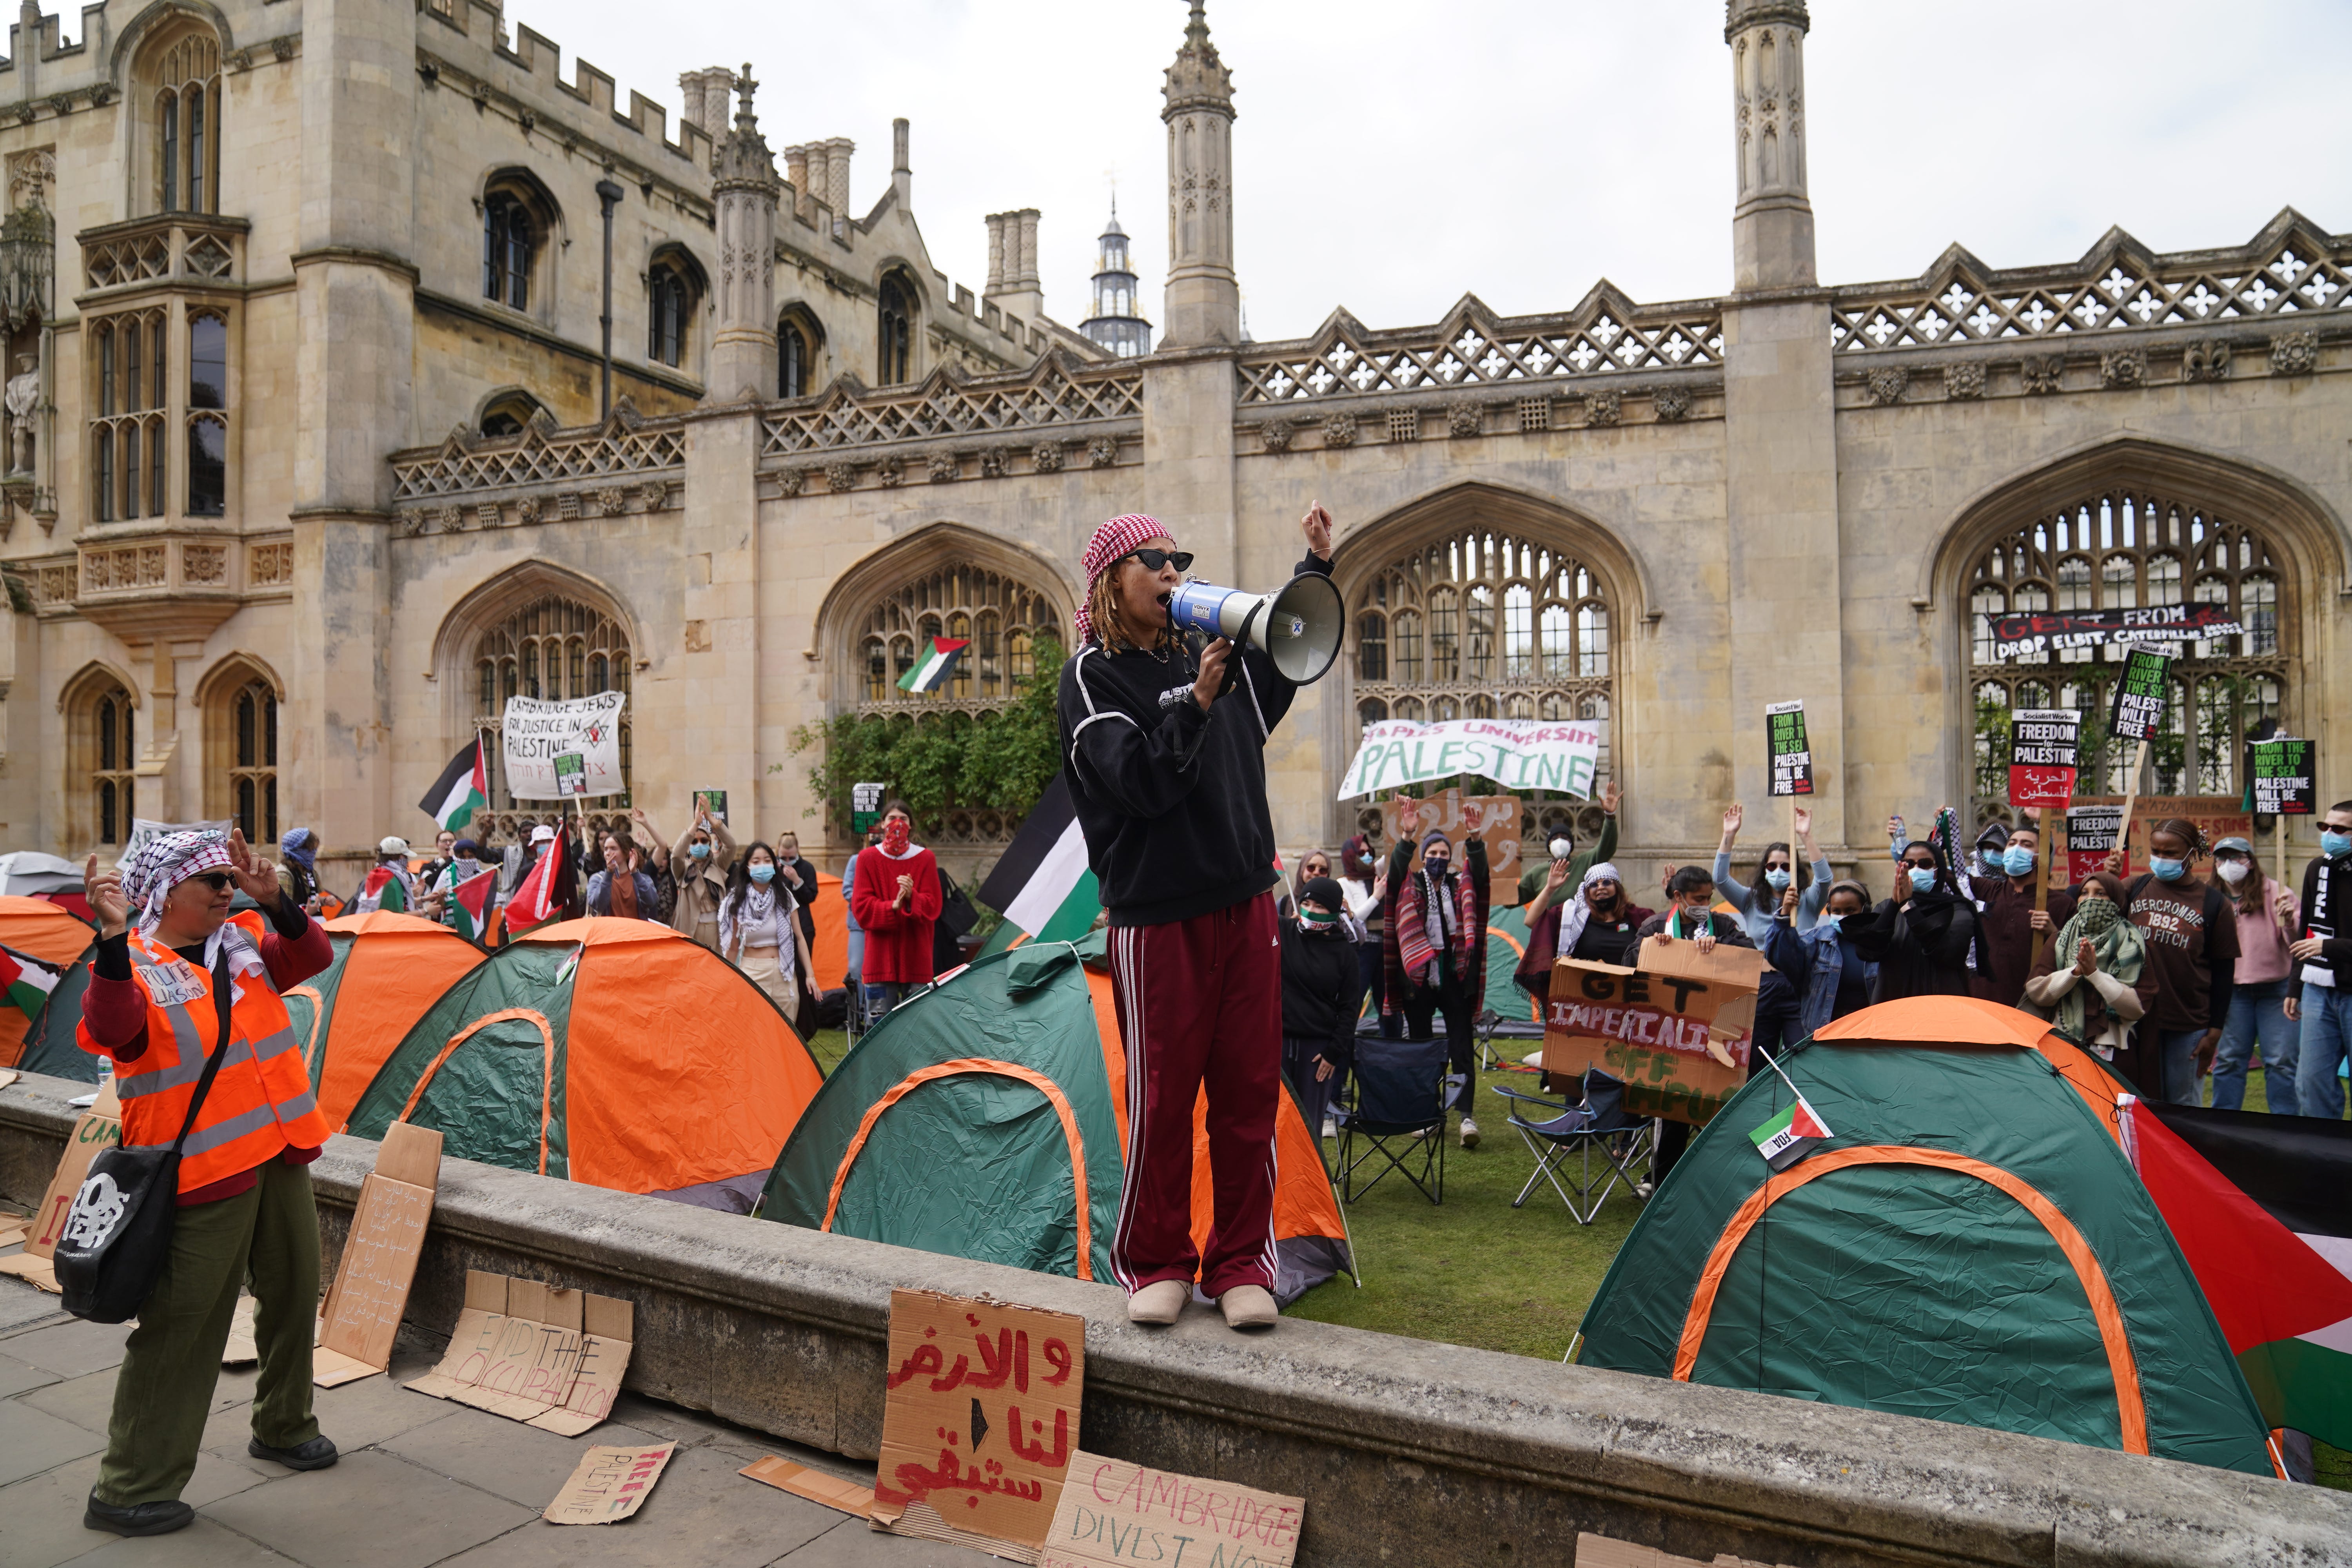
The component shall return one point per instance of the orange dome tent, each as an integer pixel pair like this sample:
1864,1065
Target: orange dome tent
388,969
609,1051
39,929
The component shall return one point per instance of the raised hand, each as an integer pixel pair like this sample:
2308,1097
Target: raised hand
1804,819
104,891
1734,816
255,877
1408,814
1611,793
1317,526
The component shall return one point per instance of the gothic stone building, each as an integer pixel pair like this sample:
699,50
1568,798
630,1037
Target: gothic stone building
312,465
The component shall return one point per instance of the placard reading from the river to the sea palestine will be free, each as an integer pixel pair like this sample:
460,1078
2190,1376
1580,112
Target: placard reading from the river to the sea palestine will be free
2285,777
1789,754
2141,692
2041,755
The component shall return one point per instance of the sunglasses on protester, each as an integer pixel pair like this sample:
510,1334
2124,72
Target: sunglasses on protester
216,880
1153,560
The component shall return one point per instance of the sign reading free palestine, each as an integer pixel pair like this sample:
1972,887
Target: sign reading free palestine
1516,753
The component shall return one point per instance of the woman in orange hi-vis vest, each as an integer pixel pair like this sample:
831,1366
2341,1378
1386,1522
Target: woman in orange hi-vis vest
245,1203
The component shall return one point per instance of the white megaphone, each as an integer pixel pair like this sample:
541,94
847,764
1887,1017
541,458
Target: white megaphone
1298,628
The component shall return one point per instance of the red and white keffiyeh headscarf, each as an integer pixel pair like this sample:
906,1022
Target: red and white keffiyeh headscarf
1112,543
167,860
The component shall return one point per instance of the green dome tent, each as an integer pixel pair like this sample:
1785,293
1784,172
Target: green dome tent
1969,1245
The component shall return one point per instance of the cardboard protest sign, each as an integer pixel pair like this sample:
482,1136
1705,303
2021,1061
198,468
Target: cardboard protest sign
1114,1515
608,1485
1600,1551
98,1128
1516,753
817,1486
2041,755
1676,1028
2143,691
534,731
2091,827
379,1259
1789,754
2216,816
2284,772
546,1357
979,1420
1492,819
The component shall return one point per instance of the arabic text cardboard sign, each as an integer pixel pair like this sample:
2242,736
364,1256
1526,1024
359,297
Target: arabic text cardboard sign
379,1258
1675,1029
1789,754
1491,818
2142,693
2041,755
1114,1514
2216,816
608,1485
979,1420
2285,775
546,1357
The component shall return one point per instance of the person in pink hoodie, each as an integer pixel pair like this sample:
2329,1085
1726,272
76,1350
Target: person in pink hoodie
2267,914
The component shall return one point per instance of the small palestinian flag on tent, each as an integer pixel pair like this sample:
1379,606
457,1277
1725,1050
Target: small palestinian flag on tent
933,668
25,982
2262,1206
469,903
463,787
1789,1136
1044,885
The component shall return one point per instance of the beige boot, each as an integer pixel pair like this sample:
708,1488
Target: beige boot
1158,1302
1248,1307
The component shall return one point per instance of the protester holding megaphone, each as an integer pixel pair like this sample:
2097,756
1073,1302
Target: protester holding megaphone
1163,737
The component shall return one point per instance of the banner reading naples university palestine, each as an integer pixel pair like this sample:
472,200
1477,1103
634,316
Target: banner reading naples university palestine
1517,754
2141,694
536,732
2042,744
2285,770
1792,754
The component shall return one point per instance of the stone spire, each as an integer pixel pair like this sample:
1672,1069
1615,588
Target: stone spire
1773,226
1203,295
744,189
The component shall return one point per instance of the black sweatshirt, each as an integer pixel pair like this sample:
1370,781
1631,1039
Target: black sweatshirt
1172,800
1322,990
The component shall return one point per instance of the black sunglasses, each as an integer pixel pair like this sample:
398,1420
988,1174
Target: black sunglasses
216,880
1153,560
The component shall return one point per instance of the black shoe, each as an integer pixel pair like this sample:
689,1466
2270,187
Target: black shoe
315,1455
139,1518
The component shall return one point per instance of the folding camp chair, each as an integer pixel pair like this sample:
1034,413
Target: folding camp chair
1394,1110
1556,1133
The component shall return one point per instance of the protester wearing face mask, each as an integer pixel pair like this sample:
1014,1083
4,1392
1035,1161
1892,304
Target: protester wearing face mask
2323,980
464,864
1759,903
390,884
897,899
2007,919
1596,923
1689,916
1831,978
700,860
1435,951
298,873
758,934
2190,970
1322,992
2087,983
1363,883
1920,938
1562,846
2265,914
801,876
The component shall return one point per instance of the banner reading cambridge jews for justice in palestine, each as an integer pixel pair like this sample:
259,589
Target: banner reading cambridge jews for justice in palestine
536,732
1516,753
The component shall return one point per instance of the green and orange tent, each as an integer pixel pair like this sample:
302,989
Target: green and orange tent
609,1051
1968,1244
388,969
987,1119
60,941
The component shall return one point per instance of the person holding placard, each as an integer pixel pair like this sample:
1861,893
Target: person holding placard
2191,970
2323,1004
1689,916
1759,903
2007,919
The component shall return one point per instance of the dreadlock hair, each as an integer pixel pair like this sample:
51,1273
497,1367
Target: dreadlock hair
1102,609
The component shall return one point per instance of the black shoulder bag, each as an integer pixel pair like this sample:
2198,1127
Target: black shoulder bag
117,1232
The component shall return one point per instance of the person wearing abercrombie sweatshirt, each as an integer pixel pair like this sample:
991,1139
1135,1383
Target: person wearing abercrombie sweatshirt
1164,748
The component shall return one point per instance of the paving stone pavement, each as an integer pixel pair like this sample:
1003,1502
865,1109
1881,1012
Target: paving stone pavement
422,1481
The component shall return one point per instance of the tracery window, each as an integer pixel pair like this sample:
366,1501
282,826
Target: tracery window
2129,548
796,341
208,404
185,120
253,761
510,415
670,306
1001,618
1482,623
510,233
127,446
898,331
554,648
102,753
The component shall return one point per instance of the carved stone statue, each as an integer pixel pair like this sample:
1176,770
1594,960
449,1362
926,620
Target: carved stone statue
24,396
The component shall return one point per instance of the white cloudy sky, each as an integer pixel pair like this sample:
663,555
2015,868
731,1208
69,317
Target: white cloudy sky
1392,155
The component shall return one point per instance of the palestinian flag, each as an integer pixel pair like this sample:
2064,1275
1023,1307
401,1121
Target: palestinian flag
1789,1136
1043,885
469,903
464,786
2262,1206
383,886
934,666
25,982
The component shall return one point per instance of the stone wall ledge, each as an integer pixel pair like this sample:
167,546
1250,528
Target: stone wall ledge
1407,1451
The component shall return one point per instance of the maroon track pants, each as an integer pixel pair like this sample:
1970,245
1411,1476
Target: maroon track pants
1199,1001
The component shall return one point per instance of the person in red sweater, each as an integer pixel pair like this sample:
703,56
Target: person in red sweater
894,894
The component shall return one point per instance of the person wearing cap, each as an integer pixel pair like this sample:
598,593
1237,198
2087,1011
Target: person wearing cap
390,884
1164,747
2267,914
2006,918
1322,992
1434,952
166,942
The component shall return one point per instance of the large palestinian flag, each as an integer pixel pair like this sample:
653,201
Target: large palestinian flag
463,787
1044,885
2262,1206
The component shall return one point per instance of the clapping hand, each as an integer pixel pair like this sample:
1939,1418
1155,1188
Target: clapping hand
2086,958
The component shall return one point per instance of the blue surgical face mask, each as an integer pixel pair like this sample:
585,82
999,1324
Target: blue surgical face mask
1778,878
2334,844
2017,860
763,872
699,851
1922,879
2167,870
